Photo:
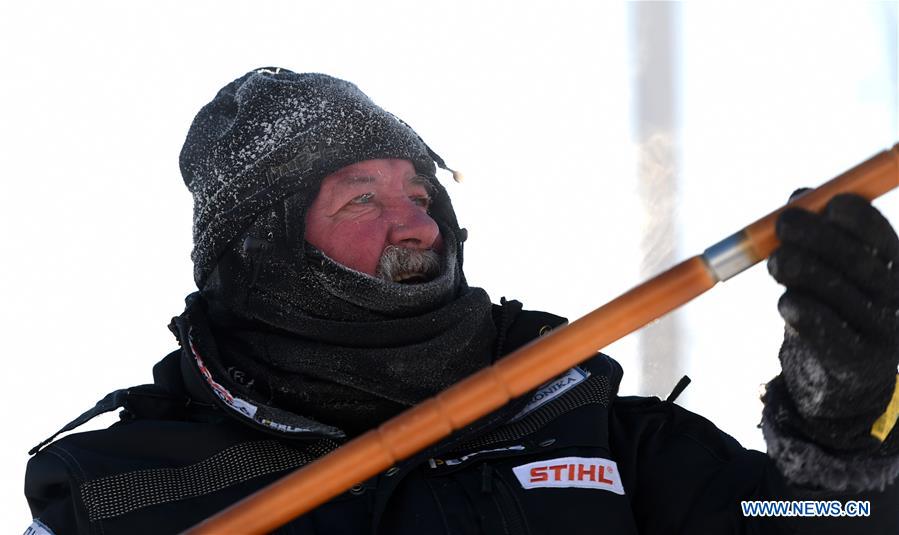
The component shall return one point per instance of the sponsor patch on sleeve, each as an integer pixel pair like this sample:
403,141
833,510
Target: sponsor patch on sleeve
240,405
566,472
37,528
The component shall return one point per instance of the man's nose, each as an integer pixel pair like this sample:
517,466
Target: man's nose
411,226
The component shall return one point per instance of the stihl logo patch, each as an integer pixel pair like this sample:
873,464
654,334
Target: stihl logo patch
581,472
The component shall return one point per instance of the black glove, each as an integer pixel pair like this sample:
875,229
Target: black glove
841,342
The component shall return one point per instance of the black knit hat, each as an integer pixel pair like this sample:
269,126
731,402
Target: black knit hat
273,133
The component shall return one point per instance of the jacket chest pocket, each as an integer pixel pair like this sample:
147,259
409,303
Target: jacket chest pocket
478,500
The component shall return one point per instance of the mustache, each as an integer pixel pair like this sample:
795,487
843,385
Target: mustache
408,266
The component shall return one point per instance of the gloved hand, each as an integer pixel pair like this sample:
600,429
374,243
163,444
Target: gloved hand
841,341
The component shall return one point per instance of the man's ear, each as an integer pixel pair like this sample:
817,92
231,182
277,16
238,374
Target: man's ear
293,215
258,251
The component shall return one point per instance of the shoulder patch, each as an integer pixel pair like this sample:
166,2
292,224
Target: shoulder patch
567,472
239,405
37,528
242,406
553,389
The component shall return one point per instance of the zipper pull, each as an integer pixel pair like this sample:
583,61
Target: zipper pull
486,479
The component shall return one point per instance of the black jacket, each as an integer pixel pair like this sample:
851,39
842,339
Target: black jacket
571,457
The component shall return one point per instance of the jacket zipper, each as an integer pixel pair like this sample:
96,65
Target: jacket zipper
510,508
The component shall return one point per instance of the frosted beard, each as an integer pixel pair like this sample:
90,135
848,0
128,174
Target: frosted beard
408,266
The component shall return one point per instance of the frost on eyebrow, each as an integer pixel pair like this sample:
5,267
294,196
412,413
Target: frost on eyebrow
425,182
349,182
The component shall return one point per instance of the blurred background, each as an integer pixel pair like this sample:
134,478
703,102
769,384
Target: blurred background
601,142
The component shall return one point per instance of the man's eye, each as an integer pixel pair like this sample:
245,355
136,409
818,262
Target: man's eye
365,198
422,200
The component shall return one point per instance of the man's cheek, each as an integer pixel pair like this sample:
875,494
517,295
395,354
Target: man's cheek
438,244
368,256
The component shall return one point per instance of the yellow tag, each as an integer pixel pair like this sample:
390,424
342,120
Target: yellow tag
887,420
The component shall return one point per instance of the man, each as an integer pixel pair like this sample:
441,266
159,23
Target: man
331,297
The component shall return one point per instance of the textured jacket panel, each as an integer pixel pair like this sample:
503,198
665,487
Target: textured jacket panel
155,476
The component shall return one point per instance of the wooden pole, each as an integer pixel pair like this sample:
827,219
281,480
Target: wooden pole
530,366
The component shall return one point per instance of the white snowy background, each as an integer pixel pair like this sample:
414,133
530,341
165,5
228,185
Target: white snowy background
533,101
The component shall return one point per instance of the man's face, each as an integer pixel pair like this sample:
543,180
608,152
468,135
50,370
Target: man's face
364,208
